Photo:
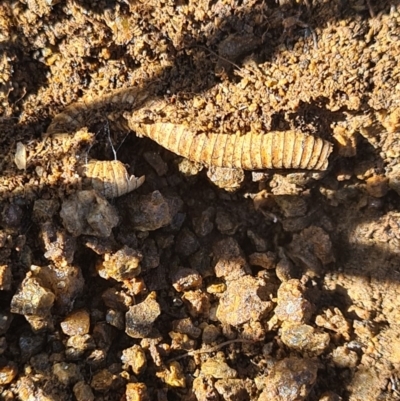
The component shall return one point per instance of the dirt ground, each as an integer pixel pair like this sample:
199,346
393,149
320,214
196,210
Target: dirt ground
195,282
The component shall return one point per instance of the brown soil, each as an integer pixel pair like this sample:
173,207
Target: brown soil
279,285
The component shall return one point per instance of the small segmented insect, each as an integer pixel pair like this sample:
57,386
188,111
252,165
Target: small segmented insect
110,178
251,151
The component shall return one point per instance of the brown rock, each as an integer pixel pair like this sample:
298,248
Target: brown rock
304,338
11,216
76,323
122,265
8,373
197,302
78,345
210,333
181,341
173,375
60,246
87,212
44,209
344,358
66,282
203,388
292,306
377,186
310,248
218,369
290,380
245,299
102,380
116,299
259,242
203,225
186,326
291,205
186,279
229,260
232,390
229,179
225,224
366,384
285,269
115,318
153,211
67,373
140,318
186,243
5,278
135,357
83,392
333,319
266,260
32,298
136,392
103,335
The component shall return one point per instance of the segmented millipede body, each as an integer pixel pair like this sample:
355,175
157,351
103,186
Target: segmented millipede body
251,151
110,178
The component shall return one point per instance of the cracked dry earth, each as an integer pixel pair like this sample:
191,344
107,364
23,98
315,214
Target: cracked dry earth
128,272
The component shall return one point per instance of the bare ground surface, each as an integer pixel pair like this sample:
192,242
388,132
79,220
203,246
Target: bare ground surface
284,289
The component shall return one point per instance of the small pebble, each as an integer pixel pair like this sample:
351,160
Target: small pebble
229,260
292,306
87,212
232,390
121,265
102,380
135,357
173,375
32,298
83,392
186,279
186,243
210,334
153,211
203,225
305,338
186,326
140,318
67,373
218,369
290,380
76,323
244,299
5,277
197,302
136,392
377,186
265,260
8,373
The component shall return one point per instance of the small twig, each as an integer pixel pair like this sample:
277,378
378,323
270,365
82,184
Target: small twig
212,349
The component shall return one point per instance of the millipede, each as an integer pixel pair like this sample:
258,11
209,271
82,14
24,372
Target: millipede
251,151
